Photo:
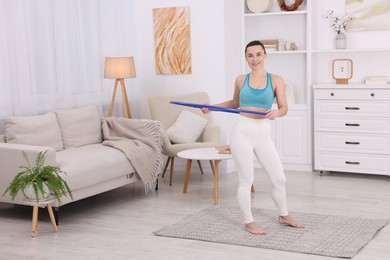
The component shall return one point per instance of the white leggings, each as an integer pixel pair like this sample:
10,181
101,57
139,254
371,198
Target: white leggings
254,136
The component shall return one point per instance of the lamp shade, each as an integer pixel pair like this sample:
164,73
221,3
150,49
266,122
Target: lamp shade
119,68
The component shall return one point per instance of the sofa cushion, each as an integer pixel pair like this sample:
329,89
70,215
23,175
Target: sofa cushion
91,164
40,130
80,126
187,128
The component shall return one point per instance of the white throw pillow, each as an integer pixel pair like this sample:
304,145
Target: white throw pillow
80,126
40,130
187,128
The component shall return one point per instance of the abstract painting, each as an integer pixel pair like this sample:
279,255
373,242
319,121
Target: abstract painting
172,41
368,14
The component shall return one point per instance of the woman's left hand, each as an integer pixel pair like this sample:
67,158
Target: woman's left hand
272,114
205,110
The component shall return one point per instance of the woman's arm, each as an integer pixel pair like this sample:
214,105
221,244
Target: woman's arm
281,99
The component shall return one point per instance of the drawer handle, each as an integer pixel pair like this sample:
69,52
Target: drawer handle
356,163
372,94
332,94
347,142
348,124
352,108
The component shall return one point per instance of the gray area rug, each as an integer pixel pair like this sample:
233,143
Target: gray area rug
325,235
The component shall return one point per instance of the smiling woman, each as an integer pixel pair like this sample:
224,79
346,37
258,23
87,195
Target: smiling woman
252,135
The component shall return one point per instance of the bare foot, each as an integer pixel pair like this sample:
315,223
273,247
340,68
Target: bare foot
253,228
288,220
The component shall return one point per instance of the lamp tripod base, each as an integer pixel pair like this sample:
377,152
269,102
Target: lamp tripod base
125,101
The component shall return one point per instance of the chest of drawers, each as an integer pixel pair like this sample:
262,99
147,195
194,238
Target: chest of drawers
352,128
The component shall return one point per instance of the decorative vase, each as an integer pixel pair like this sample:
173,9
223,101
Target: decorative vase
341,41
30,194
259,6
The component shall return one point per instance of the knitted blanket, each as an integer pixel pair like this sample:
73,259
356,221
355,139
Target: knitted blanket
141,142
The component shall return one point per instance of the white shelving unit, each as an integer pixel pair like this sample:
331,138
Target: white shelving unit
311,64
291,133
293,66
287,52
351,50
275,13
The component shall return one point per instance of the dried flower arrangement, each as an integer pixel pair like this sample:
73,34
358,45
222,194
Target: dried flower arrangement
338,24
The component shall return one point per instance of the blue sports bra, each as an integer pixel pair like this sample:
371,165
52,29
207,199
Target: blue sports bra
251,97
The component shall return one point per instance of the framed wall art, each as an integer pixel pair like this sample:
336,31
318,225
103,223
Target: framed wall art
172,40
368,14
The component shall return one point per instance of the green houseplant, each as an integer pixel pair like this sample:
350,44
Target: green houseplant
43,179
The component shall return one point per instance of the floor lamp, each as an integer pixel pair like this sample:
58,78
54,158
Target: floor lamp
119,68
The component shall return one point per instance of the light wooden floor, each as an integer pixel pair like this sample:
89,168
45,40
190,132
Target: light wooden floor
119,224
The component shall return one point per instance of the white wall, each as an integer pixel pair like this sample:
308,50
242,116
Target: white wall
215,45
233,56
324,34
208,53
118,29
366,63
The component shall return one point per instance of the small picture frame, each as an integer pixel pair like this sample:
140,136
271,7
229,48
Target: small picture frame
342,70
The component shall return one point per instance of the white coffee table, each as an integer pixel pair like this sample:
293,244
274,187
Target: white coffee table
210,154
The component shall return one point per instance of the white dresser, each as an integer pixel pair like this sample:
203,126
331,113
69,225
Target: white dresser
352,128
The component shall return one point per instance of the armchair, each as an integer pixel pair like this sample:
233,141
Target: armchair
167,114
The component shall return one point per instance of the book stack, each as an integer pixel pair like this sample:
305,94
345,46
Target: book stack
376,80
270,44
224,149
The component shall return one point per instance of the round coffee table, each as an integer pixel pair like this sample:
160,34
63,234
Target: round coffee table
211,154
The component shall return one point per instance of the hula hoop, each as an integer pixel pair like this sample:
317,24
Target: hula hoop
218,109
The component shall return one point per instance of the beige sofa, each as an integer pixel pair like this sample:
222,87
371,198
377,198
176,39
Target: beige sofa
73,139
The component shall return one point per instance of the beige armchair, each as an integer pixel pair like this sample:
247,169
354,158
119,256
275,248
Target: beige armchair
167,114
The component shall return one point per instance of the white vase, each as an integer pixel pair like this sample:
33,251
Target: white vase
341,41
30,194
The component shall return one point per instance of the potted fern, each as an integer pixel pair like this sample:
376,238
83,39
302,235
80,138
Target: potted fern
41,180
